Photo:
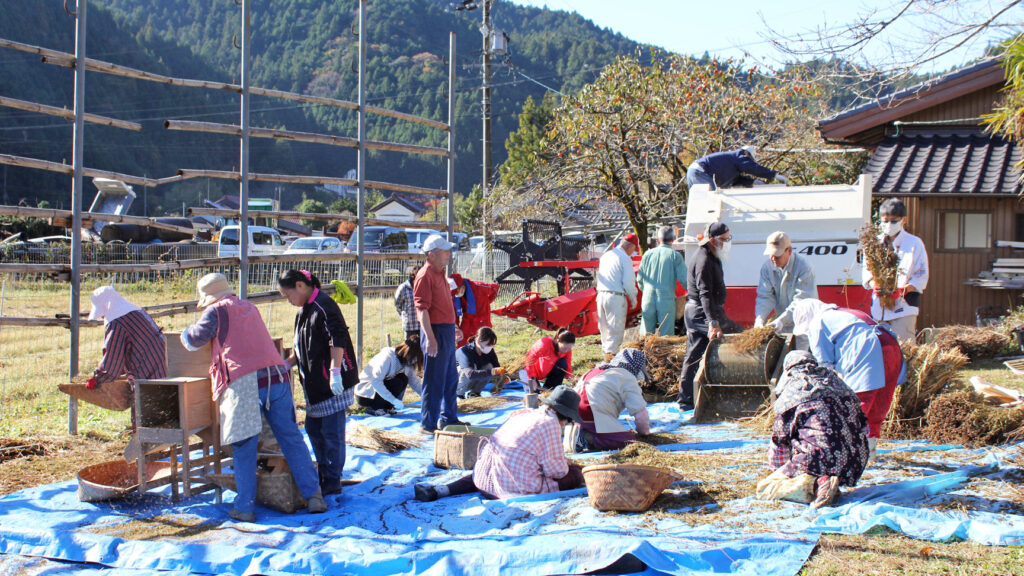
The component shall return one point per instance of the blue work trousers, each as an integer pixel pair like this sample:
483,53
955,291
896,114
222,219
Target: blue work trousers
327,435
440,380
276,404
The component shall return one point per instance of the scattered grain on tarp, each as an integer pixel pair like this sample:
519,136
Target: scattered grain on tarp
177,526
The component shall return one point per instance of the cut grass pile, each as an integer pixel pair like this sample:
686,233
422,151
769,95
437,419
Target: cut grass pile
380,440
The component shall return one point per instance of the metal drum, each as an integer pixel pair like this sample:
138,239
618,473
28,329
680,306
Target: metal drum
733,384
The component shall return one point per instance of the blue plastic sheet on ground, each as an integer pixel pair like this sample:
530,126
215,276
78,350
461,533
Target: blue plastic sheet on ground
374,528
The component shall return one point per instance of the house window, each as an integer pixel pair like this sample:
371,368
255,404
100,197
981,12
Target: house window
965,230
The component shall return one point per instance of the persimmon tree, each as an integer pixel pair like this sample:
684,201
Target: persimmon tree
630,135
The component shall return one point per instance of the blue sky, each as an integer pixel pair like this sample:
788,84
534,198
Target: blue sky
734,28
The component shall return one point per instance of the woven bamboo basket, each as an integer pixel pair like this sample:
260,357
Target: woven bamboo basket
115,479
456,447
626,487
276,489
114,395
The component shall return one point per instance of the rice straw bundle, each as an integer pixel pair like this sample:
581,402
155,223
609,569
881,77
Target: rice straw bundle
665,356
483,404
973,341
380,440
883,263
962,418
930,371
753,339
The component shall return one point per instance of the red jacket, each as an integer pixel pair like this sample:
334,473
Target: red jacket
541,358
476,313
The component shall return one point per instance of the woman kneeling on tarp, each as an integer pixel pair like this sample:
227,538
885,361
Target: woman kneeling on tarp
605,392
820,436
383,381
524,456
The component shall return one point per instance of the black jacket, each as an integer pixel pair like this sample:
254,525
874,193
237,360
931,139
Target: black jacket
319,326
705,284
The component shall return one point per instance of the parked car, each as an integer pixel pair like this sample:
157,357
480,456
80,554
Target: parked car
262,240
380,239
316,245
417,236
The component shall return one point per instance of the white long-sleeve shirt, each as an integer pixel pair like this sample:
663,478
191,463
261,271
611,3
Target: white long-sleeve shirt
383,366
913,271
615,274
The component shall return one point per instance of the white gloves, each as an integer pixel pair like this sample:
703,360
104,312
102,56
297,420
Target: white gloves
337,385
777,324
758,322
398,405
782,178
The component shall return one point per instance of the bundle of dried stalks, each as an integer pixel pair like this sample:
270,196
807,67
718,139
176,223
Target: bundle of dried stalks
962,417
762,421
483,404
753,339
380,440
513,366
931,370
662,438
881,260
973,341
665,355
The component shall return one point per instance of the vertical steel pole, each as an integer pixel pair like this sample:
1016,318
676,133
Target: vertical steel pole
486,108
243,196
451,136
361,178
77,161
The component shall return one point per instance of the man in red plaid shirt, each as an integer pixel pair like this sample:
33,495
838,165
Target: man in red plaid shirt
524,456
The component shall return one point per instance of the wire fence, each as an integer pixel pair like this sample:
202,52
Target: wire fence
34,359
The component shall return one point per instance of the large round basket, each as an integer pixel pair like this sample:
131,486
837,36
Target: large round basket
114,395
626,487
114,479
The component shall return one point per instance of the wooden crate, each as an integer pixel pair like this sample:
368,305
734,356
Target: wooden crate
182,362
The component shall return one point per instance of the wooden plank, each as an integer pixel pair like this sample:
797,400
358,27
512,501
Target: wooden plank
68,114
26,212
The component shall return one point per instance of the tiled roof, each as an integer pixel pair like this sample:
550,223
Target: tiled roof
945,163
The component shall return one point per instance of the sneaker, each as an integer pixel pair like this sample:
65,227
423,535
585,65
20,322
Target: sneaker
685,406
571,438
426,431
472,395
242,516
376,411
329,487
425,492
454,423
316,505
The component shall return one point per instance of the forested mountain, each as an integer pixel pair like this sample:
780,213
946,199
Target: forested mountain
306,46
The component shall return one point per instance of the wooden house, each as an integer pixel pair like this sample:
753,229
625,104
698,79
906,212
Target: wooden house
961,186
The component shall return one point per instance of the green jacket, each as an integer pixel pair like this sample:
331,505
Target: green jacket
660,269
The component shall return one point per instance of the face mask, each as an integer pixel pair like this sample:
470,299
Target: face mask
892,228
723,250
485,349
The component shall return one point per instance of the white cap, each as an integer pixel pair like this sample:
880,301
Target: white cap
776,244
436,242
752,150
451,284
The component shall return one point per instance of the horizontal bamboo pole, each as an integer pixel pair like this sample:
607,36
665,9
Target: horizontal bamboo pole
68,60
293,179
228,213
67,114
292,135
347,257
88,217
25,162
26,268
405,188
173,309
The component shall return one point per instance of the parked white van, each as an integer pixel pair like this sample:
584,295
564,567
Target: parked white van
262,240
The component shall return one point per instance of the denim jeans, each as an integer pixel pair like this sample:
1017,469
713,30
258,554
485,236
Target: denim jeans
277,407
440,380
696,175
327,435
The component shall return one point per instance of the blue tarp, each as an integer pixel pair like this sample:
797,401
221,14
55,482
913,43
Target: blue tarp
374,528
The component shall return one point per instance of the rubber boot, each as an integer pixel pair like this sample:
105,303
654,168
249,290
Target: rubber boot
872,455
